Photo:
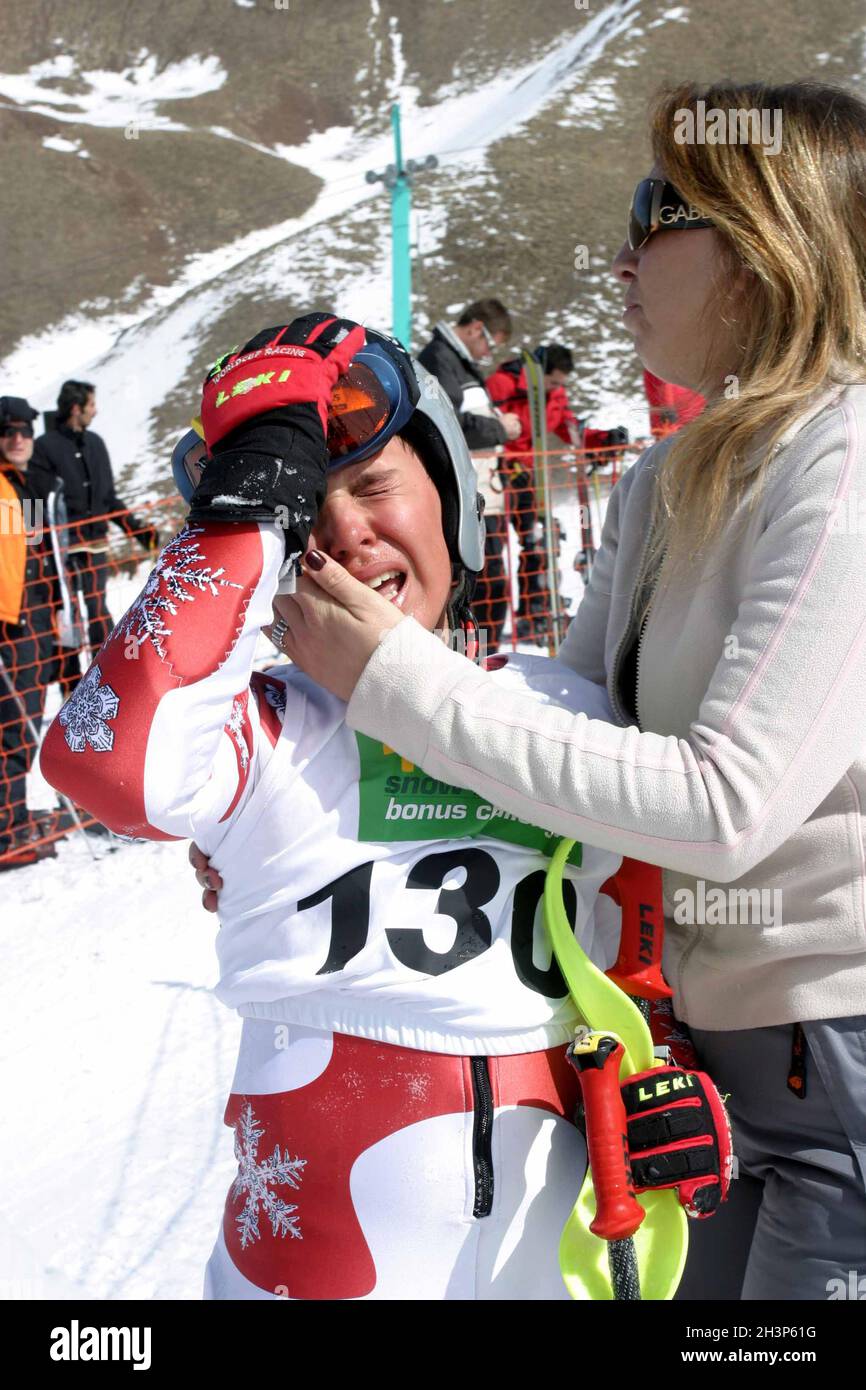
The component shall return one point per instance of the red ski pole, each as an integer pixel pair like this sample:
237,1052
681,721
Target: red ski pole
596,1057
637,889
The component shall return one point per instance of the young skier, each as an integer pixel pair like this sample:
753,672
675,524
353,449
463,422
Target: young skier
402,1104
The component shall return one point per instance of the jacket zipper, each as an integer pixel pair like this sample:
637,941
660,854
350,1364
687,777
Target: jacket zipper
624,640
482,1136
614,680
640,637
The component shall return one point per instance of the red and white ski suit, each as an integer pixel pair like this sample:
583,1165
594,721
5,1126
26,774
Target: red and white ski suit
402,1107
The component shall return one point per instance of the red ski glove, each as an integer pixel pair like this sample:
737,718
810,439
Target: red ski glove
679,1135
293,365
264,414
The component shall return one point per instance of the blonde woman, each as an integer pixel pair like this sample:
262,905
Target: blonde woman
727,615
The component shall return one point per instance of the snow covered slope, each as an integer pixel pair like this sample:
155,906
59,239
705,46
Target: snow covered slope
148,359
117,1062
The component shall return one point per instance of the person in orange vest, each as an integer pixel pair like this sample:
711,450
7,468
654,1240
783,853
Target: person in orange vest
27,637
671,406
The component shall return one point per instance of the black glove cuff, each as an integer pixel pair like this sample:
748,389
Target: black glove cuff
271,469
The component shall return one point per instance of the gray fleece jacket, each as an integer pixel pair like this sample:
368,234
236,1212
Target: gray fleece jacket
746,776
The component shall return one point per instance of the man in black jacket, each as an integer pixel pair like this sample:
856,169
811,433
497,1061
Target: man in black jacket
452,355
72,452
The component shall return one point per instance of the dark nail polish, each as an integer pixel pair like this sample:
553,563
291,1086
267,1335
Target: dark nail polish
315,560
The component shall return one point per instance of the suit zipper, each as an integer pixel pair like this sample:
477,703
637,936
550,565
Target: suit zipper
482,1136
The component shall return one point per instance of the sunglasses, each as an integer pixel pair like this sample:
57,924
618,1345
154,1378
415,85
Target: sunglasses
491,346
657,207
10,431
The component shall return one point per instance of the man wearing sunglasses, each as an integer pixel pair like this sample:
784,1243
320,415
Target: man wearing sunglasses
454,355
27,593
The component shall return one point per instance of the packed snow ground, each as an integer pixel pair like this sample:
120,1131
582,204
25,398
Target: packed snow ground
112,99
117,1064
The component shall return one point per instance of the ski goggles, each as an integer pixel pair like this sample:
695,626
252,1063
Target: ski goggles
372,401
656,206
188,460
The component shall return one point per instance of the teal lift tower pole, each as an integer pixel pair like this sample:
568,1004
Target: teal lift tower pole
398,178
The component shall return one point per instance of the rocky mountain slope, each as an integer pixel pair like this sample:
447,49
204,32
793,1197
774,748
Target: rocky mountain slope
180,173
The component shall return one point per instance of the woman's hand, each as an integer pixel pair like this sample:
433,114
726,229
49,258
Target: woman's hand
332,624
207,877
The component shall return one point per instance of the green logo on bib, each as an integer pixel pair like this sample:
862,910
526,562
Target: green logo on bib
397,801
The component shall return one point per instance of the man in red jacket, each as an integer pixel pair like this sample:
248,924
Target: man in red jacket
507,389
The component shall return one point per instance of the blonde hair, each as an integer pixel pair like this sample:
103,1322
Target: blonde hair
797,221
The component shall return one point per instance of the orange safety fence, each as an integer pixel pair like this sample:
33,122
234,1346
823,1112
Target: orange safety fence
66,612
541,537
543,516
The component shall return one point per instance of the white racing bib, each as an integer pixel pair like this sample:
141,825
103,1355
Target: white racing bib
363,897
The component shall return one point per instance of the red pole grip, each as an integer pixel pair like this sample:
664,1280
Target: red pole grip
637,889
597,1059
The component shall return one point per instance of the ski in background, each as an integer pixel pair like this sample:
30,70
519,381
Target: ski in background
72,635
71,631
585,556
537,401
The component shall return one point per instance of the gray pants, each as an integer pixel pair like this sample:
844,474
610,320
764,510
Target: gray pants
794,1226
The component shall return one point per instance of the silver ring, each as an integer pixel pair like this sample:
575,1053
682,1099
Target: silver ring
278,632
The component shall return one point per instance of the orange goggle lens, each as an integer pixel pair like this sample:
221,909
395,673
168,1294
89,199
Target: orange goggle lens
359,410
